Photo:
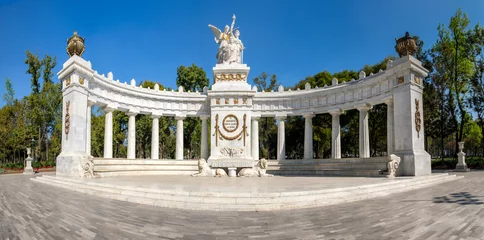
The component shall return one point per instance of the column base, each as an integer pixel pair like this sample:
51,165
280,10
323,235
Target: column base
74,165
461,168
232,172
28,171
414,163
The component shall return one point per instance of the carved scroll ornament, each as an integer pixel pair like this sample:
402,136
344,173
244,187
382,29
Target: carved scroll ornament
67,120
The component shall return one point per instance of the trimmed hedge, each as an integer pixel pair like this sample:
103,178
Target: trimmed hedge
449,163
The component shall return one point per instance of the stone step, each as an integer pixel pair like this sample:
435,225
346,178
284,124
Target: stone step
329,166
341,160
144,167
242,201
329,172
143,173
144,162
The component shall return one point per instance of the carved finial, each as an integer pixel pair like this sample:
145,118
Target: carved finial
334,81
75,45
157,87
280,88
307,86
361,75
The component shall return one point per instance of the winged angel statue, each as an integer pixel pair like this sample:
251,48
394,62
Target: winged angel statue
230,46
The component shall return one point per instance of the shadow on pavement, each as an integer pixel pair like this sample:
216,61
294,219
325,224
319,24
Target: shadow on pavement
462,198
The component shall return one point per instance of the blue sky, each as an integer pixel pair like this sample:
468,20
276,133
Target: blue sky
150,39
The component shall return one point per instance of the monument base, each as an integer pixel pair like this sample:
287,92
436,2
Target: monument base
461,164
414,163
28,170
74,165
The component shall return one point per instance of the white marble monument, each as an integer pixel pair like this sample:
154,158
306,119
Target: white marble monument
234,109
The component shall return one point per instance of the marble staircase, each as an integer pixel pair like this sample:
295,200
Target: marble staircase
356,167
128,167
232,199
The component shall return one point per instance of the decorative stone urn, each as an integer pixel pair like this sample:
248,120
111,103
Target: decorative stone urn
406,45
28,164
461,158
75,45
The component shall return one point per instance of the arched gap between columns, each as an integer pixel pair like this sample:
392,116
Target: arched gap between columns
322,125
192,131
97,131
349,122
268,138
377,125
295,137
120,134
167,137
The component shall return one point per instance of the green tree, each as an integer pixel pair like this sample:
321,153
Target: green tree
9,95
453,56
192,79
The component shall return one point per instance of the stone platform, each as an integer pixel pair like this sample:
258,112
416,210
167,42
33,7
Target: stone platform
242,194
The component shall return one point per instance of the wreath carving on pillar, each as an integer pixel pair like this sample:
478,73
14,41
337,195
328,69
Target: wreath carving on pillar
241,135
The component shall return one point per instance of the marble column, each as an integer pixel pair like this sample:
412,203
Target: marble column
179,137
335,134
204,138
281,138
390,129
364,136
132,135
308,136
155,139
88,130
255,138
108,132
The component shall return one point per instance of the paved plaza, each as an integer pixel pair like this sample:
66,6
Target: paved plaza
453,210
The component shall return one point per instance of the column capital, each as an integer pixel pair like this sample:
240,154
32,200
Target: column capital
90,103
155,116
132,112
180,117
336,112
363,107
204,117
281,117
308,115
255,118
108,109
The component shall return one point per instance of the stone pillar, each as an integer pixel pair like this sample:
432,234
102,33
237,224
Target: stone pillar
88,130
179,137
255,138
409,131
204,138
155,139
390,129
335,134
364,134
28,170
461,158
308,135
281,138
108,132
132,134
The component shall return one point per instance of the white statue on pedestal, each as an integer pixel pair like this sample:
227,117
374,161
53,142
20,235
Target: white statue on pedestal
230,46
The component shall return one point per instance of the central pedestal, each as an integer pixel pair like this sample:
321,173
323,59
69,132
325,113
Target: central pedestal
231,107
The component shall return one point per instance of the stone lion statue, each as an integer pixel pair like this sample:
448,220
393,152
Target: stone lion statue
220,173
258,171
203,169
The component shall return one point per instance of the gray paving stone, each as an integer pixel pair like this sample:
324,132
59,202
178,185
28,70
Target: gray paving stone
453,210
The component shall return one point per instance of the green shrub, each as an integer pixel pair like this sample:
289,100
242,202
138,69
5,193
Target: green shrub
2,170
35,164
